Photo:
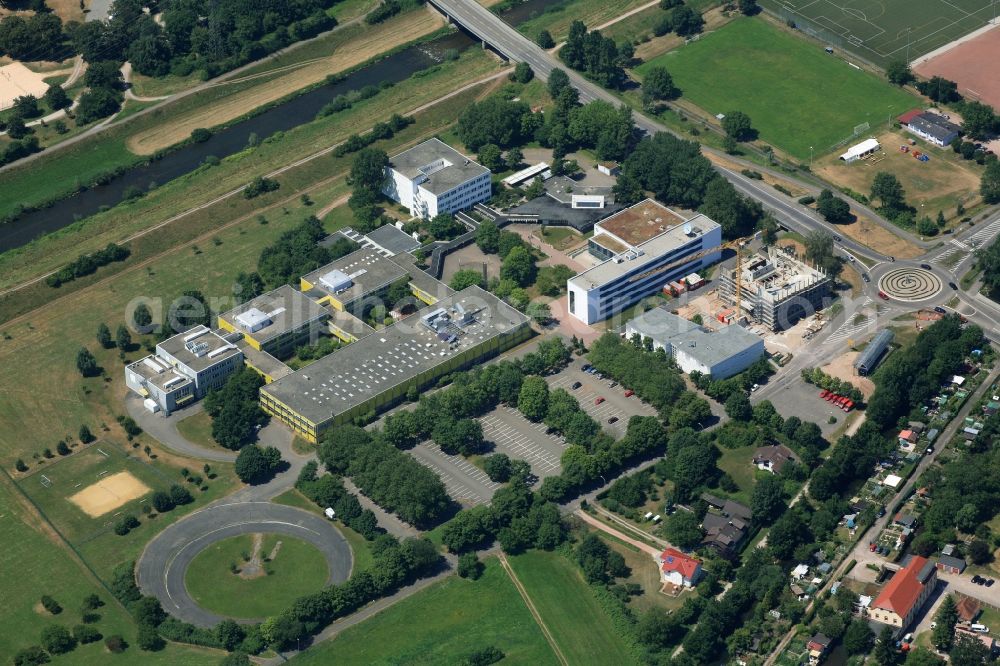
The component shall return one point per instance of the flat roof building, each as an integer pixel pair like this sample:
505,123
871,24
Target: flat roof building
433,178
184,368
277,322
930,126
376,371
349,283
872,355
777,289
722,353
644,247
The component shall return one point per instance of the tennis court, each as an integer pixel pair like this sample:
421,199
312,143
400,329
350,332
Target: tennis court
883,30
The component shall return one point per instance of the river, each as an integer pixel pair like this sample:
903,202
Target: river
234,138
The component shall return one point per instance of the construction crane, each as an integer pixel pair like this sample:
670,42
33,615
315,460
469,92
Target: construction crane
737,244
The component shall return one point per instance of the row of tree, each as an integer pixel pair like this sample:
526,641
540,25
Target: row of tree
328,491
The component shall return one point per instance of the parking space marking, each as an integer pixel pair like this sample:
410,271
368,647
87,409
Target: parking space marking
514,441
430,455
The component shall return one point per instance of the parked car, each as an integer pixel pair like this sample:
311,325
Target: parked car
871,546
600,375
940,310
989,582
576,385
629,393
824,393
754,387
930,450
598,400
612,384
977,579
613,419
586,367
864,276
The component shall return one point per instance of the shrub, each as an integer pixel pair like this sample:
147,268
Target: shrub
84,634
469,566
115,644
56,639
30,656
260,185
51,605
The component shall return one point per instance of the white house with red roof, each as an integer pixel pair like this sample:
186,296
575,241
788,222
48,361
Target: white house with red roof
903,596
679,569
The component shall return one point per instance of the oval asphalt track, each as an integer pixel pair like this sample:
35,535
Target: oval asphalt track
164,562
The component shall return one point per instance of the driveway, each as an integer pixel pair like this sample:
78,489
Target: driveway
161,568
164,430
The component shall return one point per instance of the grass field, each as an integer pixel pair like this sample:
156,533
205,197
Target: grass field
297,568
737,464
796,95
360,547
443,625
558,16
883,30
198,429
36,562
580,626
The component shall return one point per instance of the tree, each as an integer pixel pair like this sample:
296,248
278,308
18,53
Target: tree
495,120
254,465
522,73
939,90
885,652
558,81
989,186
887,189
16,129
150,55
236,659
943,634
86,363
533,400
545,40
466,278
518,266
491,157
749,7
898,72
488,237
123,339
498,467
26,106
142,317
148,639
978,120
738,406
658,85
368,170
967,651
737,214
683,529
833,209
767,499
979,552
685,21
737,125
229,634
484,656
180,495
84,633
819,250
97,103
56,639
514,158
31,656
858,637
922,657
469,566
104,336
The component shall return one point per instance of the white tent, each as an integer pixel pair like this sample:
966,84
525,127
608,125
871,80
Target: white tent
866,147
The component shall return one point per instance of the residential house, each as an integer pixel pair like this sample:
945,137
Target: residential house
905,520
905,594
818,646
679,569
773,458
908,436
726,525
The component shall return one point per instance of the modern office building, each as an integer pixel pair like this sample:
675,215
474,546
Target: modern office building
277,322
434,178
643,247
183,369
776,289
722,353
375,372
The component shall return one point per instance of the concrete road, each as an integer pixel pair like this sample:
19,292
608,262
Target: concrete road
162,566
164,430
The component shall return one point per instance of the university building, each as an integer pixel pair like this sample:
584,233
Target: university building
642,248
434,178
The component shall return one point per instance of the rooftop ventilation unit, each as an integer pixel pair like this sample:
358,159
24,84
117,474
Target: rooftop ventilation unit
336,281
199,349
201,330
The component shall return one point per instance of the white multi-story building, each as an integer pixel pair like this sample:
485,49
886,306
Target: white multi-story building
643,247
434,178
183,369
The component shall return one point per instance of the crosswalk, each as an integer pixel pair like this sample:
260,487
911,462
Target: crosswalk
854,324
954,246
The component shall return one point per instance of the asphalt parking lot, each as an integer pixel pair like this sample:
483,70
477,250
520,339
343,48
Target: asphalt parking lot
521,439
591,388
797,398
466,484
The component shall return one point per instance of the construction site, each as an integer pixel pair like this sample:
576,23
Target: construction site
774,289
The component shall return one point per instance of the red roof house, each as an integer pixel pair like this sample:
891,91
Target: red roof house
904,595
678,568
908,116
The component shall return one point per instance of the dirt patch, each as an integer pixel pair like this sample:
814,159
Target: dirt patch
467,258
17,80
937,185
368,44
879,238
843,368
109,493
254,567
966,65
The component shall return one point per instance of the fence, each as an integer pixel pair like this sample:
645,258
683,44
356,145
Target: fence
812,28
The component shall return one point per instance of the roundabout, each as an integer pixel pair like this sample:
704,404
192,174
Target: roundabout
162,570
910,285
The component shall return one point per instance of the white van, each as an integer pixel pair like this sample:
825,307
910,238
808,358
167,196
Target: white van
979,628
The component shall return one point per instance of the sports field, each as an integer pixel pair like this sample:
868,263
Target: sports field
883,30
796,95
